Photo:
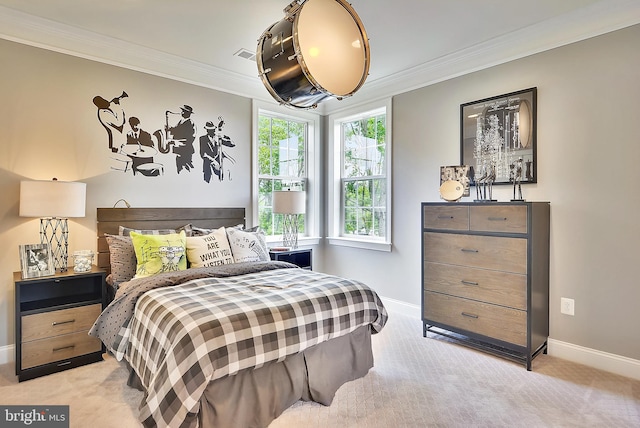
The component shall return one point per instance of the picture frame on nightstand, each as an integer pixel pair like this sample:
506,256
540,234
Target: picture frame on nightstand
36,260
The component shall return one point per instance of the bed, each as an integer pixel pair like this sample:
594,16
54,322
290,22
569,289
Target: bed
227,341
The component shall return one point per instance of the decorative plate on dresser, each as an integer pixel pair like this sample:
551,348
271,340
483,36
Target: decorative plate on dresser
485,275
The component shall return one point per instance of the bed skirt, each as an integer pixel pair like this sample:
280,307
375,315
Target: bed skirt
254,398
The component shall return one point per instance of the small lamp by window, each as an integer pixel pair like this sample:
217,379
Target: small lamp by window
53,201
290,203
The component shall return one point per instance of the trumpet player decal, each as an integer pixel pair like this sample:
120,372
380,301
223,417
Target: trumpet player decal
135,149
212,150
111,115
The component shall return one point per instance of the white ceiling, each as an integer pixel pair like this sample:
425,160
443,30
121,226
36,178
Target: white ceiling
413,42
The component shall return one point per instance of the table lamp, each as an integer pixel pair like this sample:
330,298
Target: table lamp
290,203
53,201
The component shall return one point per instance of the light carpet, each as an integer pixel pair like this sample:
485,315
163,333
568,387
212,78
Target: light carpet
416,382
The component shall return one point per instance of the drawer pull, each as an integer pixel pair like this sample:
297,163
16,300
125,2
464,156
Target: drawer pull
497,218
445,217
468,250
466,314
469,282
62,322
63,348
64,364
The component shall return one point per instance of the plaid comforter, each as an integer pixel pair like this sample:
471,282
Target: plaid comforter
182,337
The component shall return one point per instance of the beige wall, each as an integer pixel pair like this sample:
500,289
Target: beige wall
49,128
587,149
588,156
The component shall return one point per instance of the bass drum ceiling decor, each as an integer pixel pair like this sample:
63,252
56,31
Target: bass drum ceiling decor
319,50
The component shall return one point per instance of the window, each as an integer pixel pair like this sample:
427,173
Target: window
285,159
360,195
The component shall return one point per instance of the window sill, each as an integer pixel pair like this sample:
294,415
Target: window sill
360,243
303,241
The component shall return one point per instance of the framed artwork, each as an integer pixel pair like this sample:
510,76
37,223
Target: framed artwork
456,172
499,133
36,260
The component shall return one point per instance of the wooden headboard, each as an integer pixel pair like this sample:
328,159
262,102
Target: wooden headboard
109,220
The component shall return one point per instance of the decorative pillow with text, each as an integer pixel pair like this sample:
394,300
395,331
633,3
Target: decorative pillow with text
209,250
248,246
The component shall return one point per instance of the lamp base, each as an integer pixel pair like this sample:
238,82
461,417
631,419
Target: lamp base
55,232
290,231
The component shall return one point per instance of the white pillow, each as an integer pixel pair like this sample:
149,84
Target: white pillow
209,250
248,246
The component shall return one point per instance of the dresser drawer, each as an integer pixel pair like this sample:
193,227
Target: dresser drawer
500,288
449,217
38,352
498,218
55,323
508,325
487,252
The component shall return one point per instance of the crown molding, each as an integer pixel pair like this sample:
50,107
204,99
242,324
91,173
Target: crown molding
599,18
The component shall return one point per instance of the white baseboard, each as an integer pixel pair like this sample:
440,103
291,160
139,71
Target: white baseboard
393,305
7,354
612,363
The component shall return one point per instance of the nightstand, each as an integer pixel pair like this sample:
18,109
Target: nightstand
53,318
299,257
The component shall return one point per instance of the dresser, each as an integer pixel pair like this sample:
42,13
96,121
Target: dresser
485,275
53,318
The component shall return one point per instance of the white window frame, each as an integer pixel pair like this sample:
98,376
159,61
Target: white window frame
312,217
334,190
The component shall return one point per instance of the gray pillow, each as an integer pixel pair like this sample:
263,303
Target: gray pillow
122,258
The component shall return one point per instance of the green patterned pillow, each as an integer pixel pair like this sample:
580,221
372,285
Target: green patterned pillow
159,253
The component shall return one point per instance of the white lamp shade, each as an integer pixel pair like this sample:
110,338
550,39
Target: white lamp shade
289,202
61,199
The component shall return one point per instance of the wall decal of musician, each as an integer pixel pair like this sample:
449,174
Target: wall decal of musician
133,148
111,115
140,148
181,136
212,150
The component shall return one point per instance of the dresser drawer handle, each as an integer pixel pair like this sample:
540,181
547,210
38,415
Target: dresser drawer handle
445,217
466,314
64,364
497,218
63,348
468,250
469,282
55,323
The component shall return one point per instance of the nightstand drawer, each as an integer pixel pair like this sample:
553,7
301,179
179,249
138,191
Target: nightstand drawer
498,218
446,217
38,352
55,323
487,252
500,288
508,325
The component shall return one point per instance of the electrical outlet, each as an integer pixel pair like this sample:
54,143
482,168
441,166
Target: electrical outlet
567,306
